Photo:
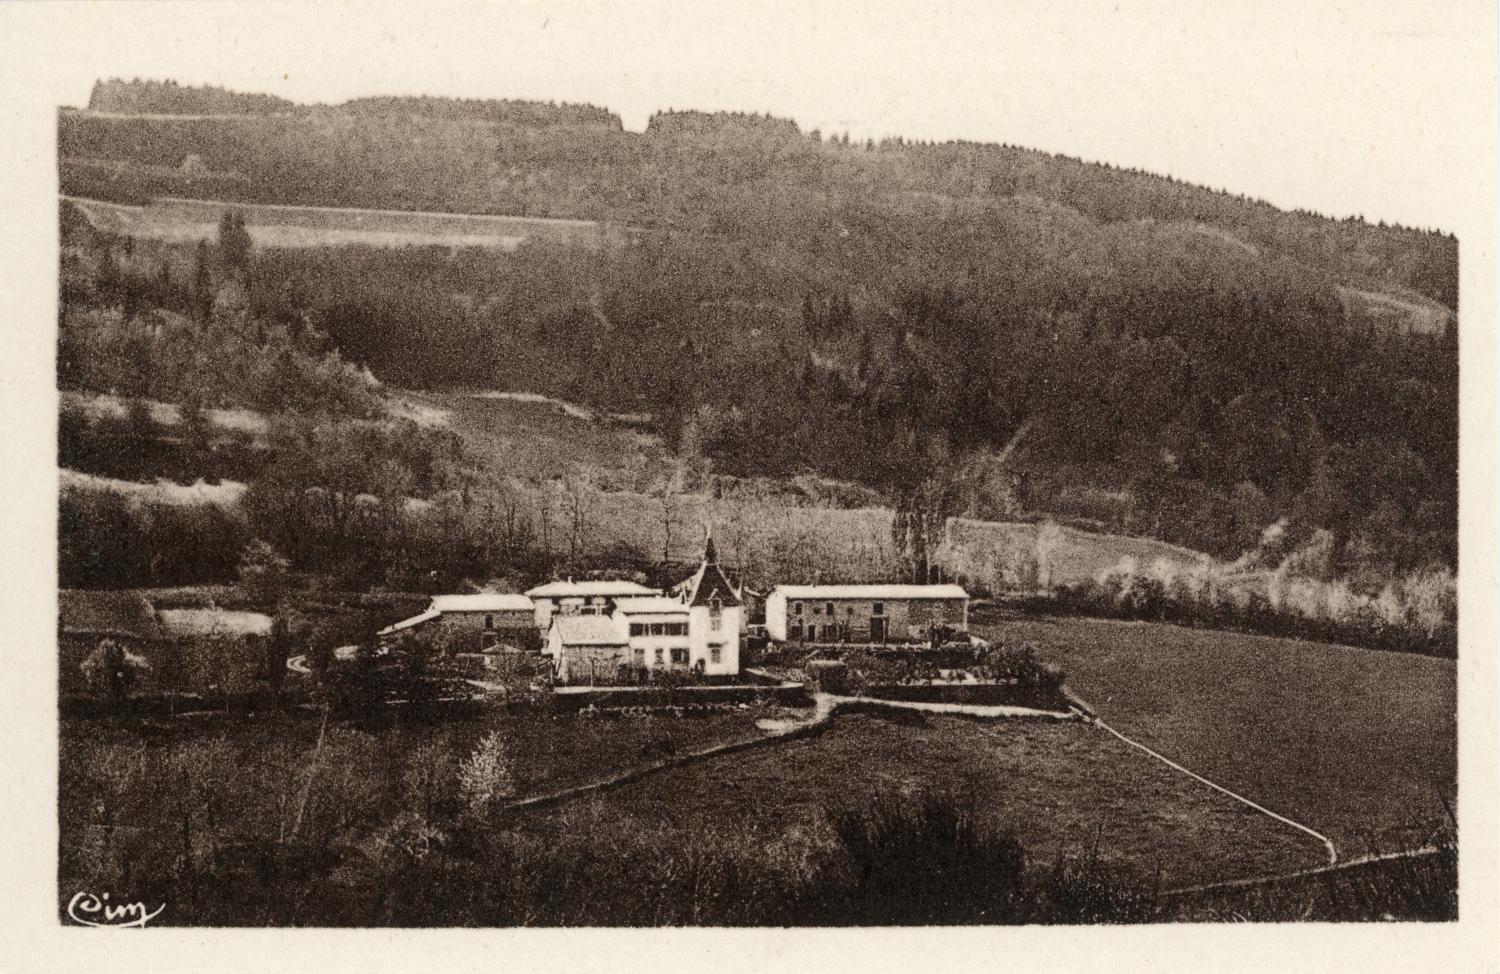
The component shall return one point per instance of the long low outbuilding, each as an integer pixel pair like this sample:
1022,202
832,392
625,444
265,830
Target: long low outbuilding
476,622
864,613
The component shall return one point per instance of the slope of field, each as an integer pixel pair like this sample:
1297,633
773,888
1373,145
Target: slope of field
1410,313
1357,744
537,438
225,493
274,226
1059,787
541,440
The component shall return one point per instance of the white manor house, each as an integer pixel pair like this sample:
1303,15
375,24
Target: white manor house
592,628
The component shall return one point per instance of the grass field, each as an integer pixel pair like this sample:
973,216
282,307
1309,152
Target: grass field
780,538
540,441
272,226
1059,786
1358,744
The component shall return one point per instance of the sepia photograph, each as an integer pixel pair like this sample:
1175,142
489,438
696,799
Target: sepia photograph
576,465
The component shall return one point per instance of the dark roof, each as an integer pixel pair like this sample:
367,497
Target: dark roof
708,583
123,615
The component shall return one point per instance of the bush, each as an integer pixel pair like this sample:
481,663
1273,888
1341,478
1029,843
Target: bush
923,861
488,776
110,671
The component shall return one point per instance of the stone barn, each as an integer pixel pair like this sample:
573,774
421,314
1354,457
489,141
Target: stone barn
864,613
475,623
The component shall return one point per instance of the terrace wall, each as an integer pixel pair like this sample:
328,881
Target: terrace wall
575,699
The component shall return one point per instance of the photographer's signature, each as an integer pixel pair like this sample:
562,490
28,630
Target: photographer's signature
98,911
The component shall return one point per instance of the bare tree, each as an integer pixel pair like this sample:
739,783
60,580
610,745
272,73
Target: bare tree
578,489
666,492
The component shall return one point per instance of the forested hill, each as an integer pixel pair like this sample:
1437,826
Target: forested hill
1036,334
745,175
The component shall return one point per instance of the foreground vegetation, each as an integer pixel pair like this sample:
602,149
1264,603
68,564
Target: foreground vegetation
294,822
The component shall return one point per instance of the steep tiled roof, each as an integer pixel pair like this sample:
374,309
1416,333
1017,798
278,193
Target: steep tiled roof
709,583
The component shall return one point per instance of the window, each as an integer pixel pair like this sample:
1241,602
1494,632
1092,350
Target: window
878,608
658,654
796,608
715,654
715,615
679,654
830,608
677,629
489,622
817,611
658,629
796,630
637,629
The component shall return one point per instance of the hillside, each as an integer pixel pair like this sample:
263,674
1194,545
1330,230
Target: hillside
973,329
695,171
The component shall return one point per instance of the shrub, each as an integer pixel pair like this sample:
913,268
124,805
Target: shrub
488,776
111,671
919,862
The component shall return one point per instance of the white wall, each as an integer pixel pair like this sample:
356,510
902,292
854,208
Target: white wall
702,636
650,644
776,615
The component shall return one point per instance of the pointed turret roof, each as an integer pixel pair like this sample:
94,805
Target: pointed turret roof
709,583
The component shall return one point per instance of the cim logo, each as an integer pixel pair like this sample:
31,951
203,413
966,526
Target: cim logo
97,911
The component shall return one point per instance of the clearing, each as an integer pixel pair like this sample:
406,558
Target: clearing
1407,313
1358,744
184,221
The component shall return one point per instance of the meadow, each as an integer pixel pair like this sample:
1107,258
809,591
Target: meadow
184,221
1358,744
796,529
1061,787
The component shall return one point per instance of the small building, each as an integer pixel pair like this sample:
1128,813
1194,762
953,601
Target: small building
85,619
864,613
587,648
595,597
476,622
